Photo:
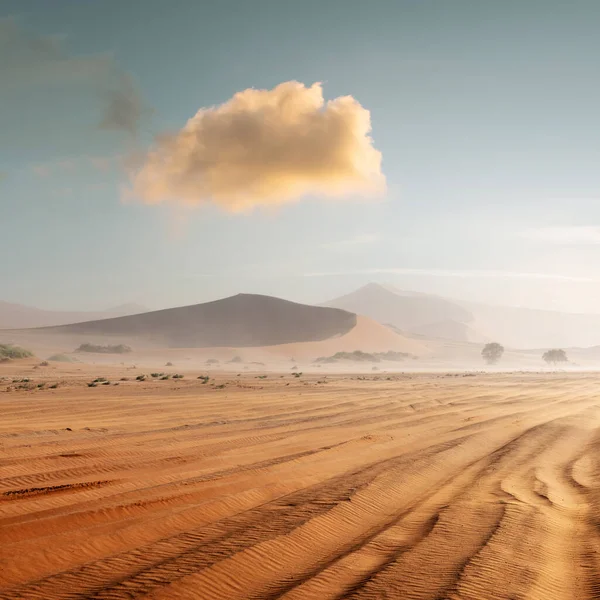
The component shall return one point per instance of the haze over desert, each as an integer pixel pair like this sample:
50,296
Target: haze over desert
299,299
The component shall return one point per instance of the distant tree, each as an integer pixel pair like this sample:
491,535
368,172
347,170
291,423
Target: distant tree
554,356
492,352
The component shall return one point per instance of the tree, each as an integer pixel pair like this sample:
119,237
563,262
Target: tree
555,356
492,352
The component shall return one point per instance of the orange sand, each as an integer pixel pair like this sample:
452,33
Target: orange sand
412,487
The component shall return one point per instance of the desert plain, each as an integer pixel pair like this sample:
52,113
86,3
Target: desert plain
298,485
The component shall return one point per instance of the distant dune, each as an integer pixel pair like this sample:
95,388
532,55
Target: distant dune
18,316
530,328
413,312
441,318
368,336
239,321
449,330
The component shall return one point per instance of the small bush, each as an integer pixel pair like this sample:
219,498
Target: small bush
98,349
177,376
140,378
156,375
204,378
235,359
44,363
124,379
169,364
360,356
8,351
53,386
92,384
164,377
100,380
554,356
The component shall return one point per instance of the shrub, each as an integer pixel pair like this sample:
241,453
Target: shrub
169,364
140,378
395,356
360,356
492,353
156,375
165,377
116,349
235,359
44,363
357,356
53,386
555,356
204,378
177,376
8,351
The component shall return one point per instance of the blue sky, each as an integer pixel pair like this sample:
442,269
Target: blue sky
486,114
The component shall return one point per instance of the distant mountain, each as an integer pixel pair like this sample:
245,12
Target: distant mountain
530,328
450,330
18,316
437,317
414,312
242,320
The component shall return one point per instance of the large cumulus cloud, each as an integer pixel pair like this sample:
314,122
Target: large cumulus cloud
264,147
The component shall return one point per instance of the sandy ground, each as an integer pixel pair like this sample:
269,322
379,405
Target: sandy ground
423,486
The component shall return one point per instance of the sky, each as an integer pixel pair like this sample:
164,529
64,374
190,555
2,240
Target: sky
485,115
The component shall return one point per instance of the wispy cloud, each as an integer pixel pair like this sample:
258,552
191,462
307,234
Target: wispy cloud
567,235
460,273
358,240
29,61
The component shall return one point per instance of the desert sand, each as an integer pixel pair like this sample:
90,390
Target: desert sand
330,486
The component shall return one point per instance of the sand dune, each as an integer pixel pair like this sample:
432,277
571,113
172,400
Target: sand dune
405,310
416,487
367,335
442,318
241,320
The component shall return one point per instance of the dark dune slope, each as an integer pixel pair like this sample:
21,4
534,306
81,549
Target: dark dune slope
242,320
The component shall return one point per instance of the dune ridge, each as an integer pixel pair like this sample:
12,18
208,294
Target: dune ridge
241,320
